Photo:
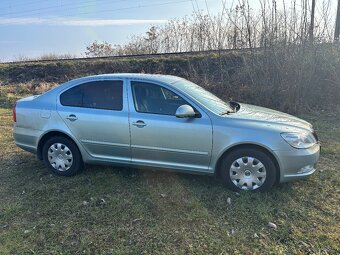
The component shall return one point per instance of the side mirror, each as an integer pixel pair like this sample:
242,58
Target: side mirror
185,111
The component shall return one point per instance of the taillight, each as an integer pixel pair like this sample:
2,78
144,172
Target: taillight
14,113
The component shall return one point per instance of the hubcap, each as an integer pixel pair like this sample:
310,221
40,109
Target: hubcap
60,157
247,173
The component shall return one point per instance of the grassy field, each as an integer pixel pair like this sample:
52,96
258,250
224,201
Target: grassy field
106,210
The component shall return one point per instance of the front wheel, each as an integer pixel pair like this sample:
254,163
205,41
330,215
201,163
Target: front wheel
248,169
62,156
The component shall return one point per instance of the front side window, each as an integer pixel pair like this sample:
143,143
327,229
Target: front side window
106,95
152,98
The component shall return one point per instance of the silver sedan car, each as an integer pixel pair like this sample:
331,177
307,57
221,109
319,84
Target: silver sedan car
163,122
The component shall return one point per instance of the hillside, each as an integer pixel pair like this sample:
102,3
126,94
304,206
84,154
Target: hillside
291,80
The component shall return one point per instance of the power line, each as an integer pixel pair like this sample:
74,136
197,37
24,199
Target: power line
118,9
37,11
140,6
23,4
70,6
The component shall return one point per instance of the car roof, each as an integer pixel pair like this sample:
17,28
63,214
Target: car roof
138,76
169,79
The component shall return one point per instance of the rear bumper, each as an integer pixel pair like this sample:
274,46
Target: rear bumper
26,139
297,163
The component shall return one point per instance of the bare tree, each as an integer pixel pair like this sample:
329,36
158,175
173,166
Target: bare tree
238,26
97,49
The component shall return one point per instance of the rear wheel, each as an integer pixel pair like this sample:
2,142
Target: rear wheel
248,169
62,156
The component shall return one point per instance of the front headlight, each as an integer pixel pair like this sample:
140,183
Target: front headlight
301,140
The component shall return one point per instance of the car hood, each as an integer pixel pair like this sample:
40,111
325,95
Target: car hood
261,114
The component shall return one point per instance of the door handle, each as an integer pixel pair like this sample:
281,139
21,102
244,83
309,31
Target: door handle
72,117
139,123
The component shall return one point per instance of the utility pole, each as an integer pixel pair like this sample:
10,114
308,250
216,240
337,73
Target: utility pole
311,27
337,24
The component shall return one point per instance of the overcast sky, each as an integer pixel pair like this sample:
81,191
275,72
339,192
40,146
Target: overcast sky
35,27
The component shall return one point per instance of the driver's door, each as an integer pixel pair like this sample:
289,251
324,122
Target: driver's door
159,138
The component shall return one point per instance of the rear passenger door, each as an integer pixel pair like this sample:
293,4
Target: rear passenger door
96,114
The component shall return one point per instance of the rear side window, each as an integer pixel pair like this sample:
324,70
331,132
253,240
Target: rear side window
106,95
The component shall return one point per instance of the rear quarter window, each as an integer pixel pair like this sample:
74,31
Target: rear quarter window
106,95
72,97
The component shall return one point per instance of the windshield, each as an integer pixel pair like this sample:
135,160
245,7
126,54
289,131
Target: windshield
207,99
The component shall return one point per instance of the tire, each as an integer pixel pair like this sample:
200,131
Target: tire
61,156
248,169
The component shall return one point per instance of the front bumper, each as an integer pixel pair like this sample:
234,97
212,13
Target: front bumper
297,163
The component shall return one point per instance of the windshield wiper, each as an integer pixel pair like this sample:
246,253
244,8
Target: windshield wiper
227,112
234,106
